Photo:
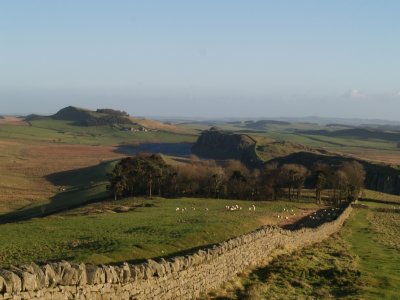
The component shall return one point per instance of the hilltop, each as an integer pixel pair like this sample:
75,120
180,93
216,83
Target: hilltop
86,117
106,117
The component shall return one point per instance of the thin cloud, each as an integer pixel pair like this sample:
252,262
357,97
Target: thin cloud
356,94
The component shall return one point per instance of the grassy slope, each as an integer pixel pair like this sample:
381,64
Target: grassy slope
362,262
142,233
81,186
380,197
324,272
63,132
379,262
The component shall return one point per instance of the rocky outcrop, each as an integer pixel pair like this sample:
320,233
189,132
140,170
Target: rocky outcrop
184,277
222,145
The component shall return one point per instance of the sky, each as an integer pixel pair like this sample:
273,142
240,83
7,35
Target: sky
208,58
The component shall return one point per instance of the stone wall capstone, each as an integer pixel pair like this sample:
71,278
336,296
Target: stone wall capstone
184,277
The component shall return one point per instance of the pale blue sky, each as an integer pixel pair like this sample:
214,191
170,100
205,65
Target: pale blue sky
202,58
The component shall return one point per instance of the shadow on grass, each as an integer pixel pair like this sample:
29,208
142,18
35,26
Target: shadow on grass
318,218
175,149
76,188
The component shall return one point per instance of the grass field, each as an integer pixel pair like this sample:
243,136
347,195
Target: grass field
380,197
361,262
65,132
154,230
31,173
374,237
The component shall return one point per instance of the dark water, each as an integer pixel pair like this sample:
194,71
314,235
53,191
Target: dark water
175,149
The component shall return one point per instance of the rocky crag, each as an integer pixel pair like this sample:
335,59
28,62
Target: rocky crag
222,145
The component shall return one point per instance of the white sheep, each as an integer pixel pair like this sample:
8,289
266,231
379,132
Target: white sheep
177,209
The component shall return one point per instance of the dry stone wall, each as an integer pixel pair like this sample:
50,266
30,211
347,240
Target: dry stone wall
179,278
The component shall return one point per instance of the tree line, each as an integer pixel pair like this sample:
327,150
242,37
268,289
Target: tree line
149,175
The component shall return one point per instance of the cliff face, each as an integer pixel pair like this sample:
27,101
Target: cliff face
222,145
378,177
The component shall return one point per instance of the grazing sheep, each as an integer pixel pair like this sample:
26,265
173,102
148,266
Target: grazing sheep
177,209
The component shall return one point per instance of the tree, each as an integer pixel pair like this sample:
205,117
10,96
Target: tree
217,181
237,184
320,179
272,182
293,176
355,175
117,181
137,174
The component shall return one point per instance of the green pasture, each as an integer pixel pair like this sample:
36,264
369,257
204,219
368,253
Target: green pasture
65,132
152,228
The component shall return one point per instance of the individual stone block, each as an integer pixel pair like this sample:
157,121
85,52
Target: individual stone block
29,281
50,275
95,275
11,282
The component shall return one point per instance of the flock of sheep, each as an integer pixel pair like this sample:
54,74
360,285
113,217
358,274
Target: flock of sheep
285,214
286,210
227,208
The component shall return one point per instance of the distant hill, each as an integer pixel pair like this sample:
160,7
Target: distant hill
261,124
86,117
106,116
364,133
339,125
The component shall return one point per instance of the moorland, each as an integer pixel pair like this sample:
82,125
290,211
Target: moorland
64,194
